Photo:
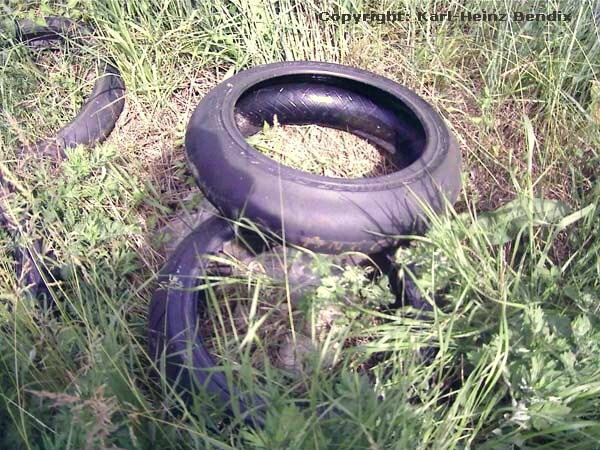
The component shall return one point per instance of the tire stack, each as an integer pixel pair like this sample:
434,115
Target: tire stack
321,214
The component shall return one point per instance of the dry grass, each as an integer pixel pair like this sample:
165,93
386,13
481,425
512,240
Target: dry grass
150,139
323,151
490,132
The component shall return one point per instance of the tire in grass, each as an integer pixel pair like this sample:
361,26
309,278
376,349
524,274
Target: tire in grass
175,343
323,214
98,116
93,123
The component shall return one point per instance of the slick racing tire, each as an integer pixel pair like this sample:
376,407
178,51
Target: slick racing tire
323,214
99,114
175,343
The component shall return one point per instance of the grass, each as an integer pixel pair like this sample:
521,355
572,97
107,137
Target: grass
513,269
70,70
322,151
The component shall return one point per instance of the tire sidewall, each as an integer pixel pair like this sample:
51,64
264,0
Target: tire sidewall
311,210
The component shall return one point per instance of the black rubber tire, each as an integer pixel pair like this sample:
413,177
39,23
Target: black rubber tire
98,116
174,310
93,123
323,214
101,110
175,344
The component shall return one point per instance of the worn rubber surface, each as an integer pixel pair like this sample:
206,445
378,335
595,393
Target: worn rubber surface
323,214
175,343
93,123
97,117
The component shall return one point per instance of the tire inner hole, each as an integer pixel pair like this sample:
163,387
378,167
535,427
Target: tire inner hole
331,127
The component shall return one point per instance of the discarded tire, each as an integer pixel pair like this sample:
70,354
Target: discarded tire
175,343
93,123
98,116
320,213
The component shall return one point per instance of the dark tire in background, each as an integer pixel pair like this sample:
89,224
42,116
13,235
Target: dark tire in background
99,114
93,123
323,214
